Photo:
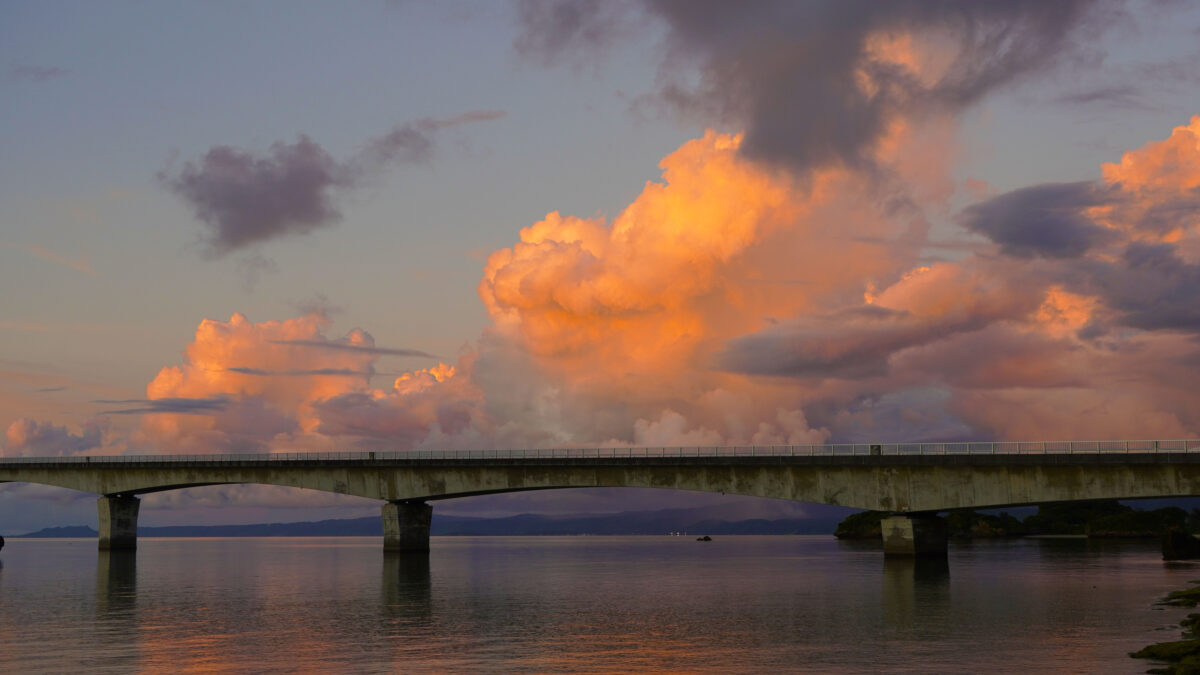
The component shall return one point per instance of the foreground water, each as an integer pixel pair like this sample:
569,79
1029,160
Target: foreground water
592,604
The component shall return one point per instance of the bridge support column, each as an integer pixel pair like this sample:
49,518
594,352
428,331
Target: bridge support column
118,522
914,536
406,526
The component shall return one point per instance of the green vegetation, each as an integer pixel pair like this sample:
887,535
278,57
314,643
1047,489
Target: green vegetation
1106,519
1181,656
1071,518
1188,597
863,525
1133,523
968,523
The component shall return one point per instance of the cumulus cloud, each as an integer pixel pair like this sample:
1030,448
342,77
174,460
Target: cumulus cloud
285,385
731,303
245,198
27,437
739,300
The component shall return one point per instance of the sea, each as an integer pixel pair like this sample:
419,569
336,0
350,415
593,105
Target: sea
736,604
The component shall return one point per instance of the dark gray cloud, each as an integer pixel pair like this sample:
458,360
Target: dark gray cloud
245,198
1125,96
788,72
1151,286
552,28
333,372
178,406
341,346
36,73
319,305
1043,220
1148,285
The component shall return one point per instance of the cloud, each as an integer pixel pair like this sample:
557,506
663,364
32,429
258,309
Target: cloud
1047,220
254,387
334,372
26,437
244,198
36,73
361,349
552,28
169,405
79,264
819,82
1152,288
251,268
733,303
1120,96
927,305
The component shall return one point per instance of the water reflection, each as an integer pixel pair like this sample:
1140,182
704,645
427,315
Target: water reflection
916,592
116,581
116,612
579,604
407,587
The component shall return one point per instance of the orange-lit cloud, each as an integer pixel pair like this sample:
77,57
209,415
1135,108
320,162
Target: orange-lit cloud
733,302
283,385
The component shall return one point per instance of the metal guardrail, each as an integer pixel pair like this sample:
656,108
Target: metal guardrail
835,450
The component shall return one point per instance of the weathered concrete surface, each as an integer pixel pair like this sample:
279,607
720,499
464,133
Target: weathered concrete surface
406,527
886,483
914,536
118,522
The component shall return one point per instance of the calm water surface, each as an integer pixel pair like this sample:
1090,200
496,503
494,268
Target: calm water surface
592,604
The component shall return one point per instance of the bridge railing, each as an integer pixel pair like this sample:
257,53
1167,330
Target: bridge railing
815,450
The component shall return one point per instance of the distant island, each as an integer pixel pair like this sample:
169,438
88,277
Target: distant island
1099,519
681,521
1092,519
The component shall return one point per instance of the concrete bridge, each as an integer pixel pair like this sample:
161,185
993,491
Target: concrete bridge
913,481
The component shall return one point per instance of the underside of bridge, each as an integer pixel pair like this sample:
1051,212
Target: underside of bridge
406,528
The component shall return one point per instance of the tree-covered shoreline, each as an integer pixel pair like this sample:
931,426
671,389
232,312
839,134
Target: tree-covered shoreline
1100,519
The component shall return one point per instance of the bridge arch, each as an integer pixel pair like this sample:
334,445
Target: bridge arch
885,478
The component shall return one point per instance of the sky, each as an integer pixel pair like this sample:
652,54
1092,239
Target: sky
284,227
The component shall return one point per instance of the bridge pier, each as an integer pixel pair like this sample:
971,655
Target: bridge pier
406,526
914,536
118,522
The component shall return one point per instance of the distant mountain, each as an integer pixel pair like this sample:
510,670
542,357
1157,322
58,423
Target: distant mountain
700,520
69,532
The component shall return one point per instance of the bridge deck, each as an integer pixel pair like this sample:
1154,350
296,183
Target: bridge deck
902,478
266,462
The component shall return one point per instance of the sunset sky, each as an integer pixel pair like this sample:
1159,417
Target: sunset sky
307,226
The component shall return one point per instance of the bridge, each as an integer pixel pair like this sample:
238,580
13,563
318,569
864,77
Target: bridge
914,481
